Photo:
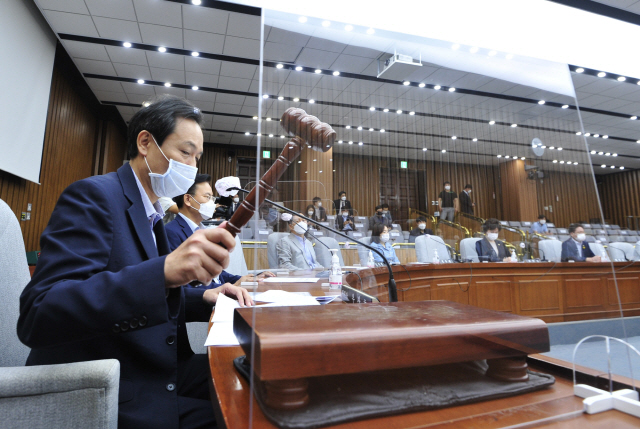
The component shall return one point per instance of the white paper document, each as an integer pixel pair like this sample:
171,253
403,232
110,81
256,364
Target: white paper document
291,280
276,298
221,333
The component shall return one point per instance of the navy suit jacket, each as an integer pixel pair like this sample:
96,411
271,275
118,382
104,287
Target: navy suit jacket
98,292
486,253
178,230
570,251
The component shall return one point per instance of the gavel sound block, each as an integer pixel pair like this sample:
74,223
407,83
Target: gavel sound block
296,343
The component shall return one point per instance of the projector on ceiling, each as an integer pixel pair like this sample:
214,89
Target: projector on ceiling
398,66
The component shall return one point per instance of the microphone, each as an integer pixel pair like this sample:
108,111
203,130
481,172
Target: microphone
393,291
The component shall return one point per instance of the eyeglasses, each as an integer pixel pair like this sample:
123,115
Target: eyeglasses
208,197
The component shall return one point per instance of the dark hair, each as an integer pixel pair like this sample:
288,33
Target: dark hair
542,217
312,207
385,205
491,224
159,118
378,208
376,231
421,218
446,183
200,178
341,193
573,227
316,199
467,186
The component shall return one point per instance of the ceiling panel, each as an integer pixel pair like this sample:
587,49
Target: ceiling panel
159,12
202,65
245,26
201,79
118,29
119,9
88,51
132,71
105,85
167,75
95,67
241,47
204,19
203,42
244,71
72,6
127,56
161,35
62,22
160,60
280,52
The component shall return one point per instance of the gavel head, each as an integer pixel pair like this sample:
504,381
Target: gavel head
319,135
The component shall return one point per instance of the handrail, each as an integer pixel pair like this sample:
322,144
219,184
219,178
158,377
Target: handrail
466,231
421,213
472,217
253,242
516,231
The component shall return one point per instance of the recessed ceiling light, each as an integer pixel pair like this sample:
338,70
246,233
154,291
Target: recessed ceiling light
195,54
312,101
140,81
575,163
437,87
336,73
348,27
162,49
475,139
605,136
371,31
296,99
443,151
633,118
596,135
317,71
255,118
424,149
593,152
579,70
561,162
621,168
298,68
302,19
399,112
452,90
126,44
603,166
473,50
421,85
453,137
412,113
270,135
552,147
167,84
372,108
360,144
359,128
555,161
579,133
281,98
492,53
382,130
541,102
492,122
621,78
146,104
370,129
507,156
514,125
637,141
607,154
265,96
406,83
350,142
268,119
499,156
565,106
543,147
600,153
615,154
587,134
602,74
559,148
195,87
282,138
348,127
340,141
455,46
326,23
196,2
247,133
386,110
279,66
613,166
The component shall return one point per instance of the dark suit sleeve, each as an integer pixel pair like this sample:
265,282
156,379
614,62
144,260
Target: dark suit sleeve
71,296
566,253
174,238
226,277
588,253
196,310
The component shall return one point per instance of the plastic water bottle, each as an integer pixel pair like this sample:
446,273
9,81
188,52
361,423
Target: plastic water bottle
605,256
335,278
371,263
436,259
514,257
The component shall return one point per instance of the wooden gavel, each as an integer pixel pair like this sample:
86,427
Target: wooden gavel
306,130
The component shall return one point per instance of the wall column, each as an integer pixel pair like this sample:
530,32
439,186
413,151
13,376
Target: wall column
519,194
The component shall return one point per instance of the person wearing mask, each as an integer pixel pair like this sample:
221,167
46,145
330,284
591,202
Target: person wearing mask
448,203
386,212
320,213
540,227
490,248
379,217
422,229
169,208
342,203
380,241
235,203
294,251
466,206
107,286
344,222
575,248
194,207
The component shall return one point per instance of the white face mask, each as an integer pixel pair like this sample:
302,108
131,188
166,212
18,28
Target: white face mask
300,228
384,237
319,203
345,214
236,200
422,225
468,191
343,198
447,188
310,212
175,181
492,236
581,237
385,211
542,221
206,210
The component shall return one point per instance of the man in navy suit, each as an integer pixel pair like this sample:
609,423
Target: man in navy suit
575,248
192,210
106,286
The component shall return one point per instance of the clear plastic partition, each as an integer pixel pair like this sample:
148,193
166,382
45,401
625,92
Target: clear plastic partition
458,188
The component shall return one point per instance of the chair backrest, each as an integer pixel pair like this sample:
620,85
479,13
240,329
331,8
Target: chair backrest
361,220
322,253
621,252
514,223
468,249
551,250
427,245
363,252
272,253
598,249
396,236
14,276
237,263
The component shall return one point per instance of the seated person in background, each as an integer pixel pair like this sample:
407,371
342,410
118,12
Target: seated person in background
380,241
170,209
342,203
321,213
490,248
575,248
540,226
344,222
420,230
194,207
379,218
386,212
235,203
295,252
310,212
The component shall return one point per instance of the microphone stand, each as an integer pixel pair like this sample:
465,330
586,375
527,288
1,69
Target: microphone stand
393,291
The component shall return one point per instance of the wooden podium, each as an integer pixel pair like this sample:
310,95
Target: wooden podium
295,343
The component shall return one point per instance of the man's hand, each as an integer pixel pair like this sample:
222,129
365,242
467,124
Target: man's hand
254,278
200,257
238,293
507,259
594,259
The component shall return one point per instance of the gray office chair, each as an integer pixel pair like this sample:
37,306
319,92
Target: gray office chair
622,252
272,253
73,395
468,249
322,253
551,250
598,249
427,245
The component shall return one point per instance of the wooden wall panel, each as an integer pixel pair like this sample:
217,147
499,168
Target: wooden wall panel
519,194
620,196
114,142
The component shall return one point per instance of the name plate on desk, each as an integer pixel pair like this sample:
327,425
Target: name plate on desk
357,234
355,296
263,232
359,225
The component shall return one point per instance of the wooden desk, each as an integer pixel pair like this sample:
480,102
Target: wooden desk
552,292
